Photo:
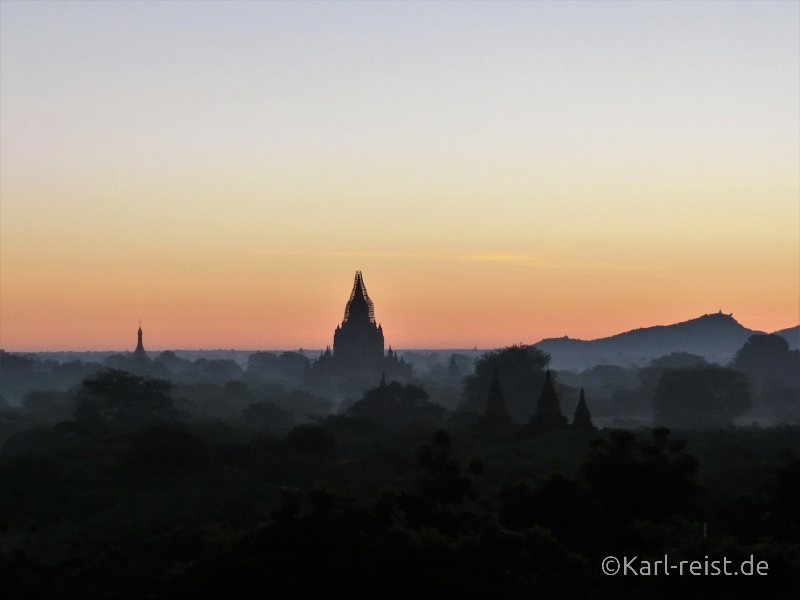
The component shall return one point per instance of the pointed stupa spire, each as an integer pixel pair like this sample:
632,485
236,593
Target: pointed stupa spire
496,404
583,419
548,409
139,352
452,366
383,399
496,413
359,306
358,284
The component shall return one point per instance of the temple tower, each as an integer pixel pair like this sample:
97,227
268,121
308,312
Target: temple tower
358,341
548,409
496,414
583,419
139,352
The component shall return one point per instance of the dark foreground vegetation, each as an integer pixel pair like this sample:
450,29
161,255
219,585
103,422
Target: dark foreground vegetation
131,486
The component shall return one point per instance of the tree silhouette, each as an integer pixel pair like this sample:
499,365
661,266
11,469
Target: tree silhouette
122,400
521,369
443,482
310,439
166,451
774,372
767,357
267,416
640,479
395,404
784,498
699,397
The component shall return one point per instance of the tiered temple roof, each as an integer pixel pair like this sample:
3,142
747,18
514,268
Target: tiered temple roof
359,305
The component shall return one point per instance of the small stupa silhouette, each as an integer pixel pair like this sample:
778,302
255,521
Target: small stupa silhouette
548,409
583,419
496,413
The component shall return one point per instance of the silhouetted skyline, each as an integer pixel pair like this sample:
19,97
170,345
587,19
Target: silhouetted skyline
504,171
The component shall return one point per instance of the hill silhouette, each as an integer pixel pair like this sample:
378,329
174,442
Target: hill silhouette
791,335
715,336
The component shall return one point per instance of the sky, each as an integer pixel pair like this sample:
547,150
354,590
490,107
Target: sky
500,172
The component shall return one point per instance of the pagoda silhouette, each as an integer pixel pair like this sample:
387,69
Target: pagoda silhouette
139,353
548,414
358,341
495,418
583,418
358,344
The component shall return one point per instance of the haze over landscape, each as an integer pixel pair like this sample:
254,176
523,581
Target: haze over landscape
403,299
501,173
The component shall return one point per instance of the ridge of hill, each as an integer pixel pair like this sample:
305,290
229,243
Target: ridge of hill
716,337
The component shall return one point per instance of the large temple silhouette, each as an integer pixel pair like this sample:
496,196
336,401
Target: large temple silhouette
358,341
358,345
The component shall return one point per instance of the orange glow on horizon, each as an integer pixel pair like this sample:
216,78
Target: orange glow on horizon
484,304
509,173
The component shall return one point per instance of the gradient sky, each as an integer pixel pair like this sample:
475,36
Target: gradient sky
500,172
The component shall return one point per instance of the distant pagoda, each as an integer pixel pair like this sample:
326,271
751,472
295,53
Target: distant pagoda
496,414
139,353
548,410
583,419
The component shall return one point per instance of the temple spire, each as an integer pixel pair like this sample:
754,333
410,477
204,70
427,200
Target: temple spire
496,414
359,306
139,352
548,409
583,419
358,341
